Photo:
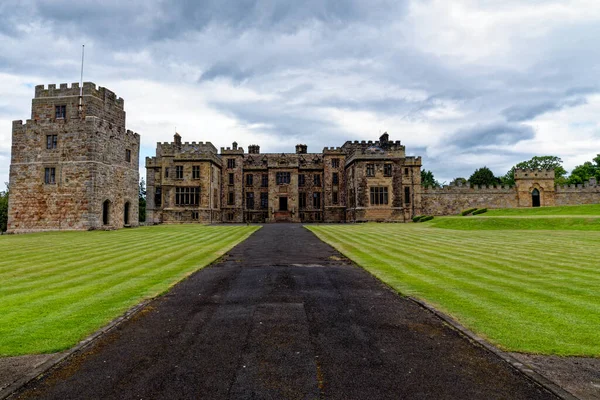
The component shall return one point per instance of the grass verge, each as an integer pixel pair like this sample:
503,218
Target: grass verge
525,291
57,288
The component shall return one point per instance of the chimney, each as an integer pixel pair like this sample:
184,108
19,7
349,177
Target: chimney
177,139
234,145
254,149
301,149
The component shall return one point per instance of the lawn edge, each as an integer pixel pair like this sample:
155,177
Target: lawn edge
59,358
476,340
526,370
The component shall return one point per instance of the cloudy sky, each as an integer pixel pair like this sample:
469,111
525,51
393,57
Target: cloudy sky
462,83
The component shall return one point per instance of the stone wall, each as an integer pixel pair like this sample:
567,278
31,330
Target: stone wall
451,200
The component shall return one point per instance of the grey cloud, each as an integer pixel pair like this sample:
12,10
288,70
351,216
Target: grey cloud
492,134
528,112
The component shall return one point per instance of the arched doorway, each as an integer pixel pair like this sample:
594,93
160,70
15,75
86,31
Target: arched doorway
126,214
535,198
106,212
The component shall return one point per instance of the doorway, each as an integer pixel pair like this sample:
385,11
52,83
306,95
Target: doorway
283,204
535,198
105,212
126,214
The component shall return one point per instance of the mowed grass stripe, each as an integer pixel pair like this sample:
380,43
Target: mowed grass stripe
69,275
522,301
74,294
78,287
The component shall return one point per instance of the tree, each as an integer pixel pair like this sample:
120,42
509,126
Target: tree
483,176
427,179
538,162
142,201
457,181
4,209
583,173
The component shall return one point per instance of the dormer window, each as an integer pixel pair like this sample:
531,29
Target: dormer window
60,112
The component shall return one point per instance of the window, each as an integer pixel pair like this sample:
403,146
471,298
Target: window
195,215
335,163
231,163
51,141
231,178
187,196
60,112
50,176
405,171
302,200
301,180
335,178
179,172
249,200
379,195
264,200
249,179
283,178
334,197
166,172
370,169
264,180
317,180
229,216
407,195
195,172
317,200
158,197
387,169
127,155
230,198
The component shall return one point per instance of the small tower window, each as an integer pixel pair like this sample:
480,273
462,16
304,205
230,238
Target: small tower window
370,169
51,141
231,163
60,112
50,176
387,169
196,172
128,155
335,163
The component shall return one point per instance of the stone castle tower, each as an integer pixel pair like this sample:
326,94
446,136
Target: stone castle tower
73,167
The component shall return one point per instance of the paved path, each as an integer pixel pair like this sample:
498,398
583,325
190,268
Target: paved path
280,318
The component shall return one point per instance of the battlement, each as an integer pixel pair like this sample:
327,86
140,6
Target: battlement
468,189
591,185
534,174
178,148
333,150
89,89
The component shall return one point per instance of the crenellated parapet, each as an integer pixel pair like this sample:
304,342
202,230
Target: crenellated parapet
89,89
534,174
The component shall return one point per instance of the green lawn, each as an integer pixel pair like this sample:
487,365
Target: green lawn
589,223
57,288
534,291
586,209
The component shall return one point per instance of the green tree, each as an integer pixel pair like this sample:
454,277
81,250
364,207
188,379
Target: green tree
483,176
427,179
538,162
4,209
583,173
142,201
456,181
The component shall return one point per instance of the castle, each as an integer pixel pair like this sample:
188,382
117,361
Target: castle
360,181
75,166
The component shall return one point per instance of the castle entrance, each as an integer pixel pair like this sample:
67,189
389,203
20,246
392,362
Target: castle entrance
283,204
126,216
535,198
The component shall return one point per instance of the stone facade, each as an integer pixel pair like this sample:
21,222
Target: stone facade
74,166
532,188
360,181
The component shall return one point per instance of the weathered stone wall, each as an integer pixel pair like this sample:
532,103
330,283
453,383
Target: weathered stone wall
451,200
89,161
588,193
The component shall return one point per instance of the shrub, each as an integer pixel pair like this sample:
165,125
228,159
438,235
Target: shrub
426,218
416,218
479,211
467,211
